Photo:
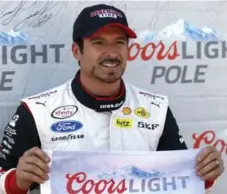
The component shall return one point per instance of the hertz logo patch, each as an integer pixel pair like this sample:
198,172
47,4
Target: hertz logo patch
123,123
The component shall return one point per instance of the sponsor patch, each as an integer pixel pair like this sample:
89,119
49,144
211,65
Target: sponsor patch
141,112
126,111
5,143
43,95
66,126
107,106
123,123
148,126
64,112
10,131
153,96
67,137
14,120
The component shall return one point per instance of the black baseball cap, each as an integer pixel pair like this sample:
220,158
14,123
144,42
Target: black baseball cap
92,19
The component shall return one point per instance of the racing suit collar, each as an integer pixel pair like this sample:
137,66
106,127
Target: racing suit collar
99,104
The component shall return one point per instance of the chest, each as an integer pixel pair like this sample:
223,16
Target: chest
82,129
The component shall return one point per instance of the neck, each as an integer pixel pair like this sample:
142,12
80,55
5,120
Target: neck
98,88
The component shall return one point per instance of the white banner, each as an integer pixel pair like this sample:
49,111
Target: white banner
171,172
181,52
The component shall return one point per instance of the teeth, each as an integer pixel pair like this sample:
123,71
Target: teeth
109,64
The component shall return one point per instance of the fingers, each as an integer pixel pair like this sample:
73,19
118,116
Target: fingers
209,164
210,167
32,168
211,157
37,152
31,177
34,160
215,173
36,171
206,151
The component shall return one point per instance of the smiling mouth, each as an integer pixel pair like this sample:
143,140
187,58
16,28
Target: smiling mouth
110,64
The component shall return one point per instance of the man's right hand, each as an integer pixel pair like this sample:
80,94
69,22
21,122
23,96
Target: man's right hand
32,168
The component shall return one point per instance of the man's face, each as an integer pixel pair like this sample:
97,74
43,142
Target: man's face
104,56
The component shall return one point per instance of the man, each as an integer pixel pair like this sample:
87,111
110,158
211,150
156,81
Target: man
93,111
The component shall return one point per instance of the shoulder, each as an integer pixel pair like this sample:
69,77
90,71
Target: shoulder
145,94
46,95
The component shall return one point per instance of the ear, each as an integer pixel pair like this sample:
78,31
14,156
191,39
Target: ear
76,51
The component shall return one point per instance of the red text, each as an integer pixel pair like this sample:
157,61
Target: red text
209,138
147,52
90,186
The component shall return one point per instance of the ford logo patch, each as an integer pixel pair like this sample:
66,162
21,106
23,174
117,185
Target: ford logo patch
66,126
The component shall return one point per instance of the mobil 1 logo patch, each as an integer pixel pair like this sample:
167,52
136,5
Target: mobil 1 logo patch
148,126
64,112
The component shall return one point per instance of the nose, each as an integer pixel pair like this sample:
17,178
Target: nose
110,54
111,50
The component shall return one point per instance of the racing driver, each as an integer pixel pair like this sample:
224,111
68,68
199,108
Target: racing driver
92,111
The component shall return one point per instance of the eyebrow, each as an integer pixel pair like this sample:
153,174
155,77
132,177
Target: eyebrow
99,38
95,38
122,38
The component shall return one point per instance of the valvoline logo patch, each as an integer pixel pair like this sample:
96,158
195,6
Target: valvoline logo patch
66,126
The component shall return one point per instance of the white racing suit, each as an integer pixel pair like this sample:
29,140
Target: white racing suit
68,118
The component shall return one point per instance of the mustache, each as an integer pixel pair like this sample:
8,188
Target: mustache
110,60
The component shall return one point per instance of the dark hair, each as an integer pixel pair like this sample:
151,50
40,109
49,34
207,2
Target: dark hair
80,43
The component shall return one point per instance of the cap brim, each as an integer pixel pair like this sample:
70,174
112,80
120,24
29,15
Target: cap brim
130,33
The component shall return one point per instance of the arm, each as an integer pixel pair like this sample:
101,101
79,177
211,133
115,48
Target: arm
172,140
19,135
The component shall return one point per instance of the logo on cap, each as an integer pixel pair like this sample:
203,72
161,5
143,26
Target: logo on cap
106,13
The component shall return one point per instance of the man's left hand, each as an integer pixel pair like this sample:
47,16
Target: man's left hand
209,164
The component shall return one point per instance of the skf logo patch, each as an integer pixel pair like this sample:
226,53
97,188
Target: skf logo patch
141,112
147,125
126,111
123,123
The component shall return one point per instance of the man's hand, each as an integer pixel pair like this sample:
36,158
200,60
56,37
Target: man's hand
209,164
32,167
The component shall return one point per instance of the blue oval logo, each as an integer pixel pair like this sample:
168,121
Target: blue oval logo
66,126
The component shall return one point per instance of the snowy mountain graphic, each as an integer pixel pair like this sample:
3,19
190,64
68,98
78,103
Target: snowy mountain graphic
130,172
13,38
181,30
